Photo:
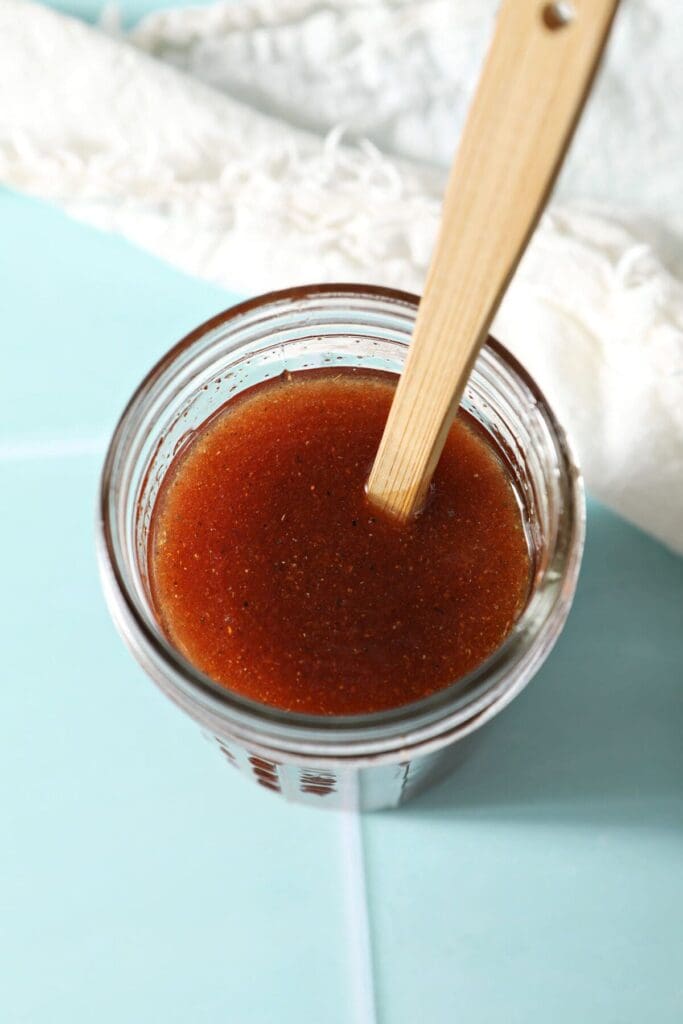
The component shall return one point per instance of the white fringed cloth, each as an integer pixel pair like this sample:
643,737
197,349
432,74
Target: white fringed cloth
267,144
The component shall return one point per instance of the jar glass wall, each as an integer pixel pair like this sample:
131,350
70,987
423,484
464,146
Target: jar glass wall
367,761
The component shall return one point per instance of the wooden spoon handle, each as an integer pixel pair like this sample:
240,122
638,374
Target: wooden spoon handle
535,81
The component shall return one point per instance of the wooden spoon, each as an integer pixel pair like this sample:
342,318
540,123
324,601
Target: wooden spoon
535,81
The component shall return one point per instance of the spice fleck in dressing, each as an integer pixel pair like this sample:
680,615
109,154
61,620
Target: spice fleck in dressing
273,574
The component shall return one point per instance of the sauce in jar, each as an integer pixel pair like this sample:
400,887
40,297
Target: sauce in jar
272,573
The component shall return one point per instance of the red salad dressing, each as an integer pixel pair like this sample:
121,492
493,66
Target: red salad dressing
272,573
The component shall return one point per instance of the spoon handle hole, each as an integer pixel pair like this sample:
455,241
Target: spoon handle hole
557,15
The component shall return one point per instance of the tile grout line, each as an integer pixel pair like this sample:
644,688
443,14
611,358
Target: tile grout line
55,448
356,906
356,909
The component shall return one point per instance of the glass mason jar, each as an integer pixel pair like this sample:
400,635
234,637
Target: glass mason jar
364,761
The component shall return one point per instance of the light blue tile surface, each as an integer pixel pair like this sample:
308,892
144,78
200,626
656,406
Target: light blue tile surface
140,880
85,315
544,881
130,11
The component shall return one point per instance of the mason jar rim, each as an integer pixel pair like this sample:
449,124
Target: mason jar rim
420,725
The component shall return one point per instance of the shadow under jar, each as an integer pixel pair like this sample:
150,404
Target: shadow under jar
367,761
